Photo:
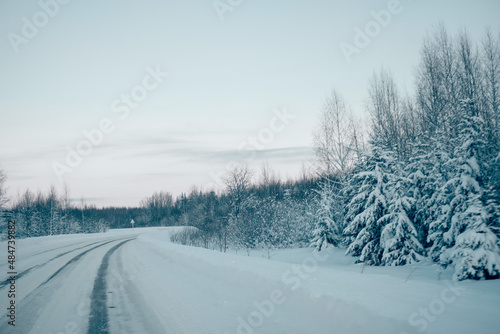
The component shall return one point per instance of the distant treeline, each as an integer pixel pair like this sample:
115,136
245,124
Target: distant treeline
51,213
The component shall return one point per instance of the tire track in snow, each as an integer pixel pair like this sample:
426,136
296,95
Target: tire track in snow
129,312
21,274
74,259
43,292
53,249
98,319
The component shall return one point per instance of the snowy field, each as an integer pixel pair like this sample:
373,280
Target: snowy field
137,281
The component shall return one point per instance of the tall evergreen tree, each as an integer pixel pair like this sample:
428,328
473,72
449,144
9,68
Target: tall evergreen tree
435,206
327,231
399,237
369,206
493,201
420,185
472,246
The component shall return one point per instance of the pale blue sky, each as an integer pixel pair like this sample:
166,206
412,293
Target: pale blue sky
226,79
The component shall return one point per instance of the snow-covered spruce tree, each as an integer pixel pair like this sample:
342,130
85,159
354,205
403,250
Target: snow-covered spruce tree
432,199
421,185
493,201
369,205
351,207
327,231
440,220
399,237
472,246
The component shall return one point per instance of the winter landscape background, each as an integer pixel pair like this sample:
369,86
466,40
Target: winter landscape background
384,217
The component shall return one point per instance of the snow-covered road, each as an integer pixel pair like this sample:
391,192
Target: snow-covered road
55,282
136,281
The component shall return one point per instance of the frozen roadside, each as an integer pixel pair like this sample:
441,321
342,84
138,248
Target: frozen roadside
317,290
199,290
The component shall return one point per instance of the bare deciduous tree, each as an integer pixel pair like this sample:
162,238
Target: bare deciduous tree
491,76
384,106
333,139
435,80
158,208
66,206
238,178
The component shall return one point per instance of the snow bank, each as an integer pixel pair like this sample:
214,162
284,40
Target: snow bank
326,291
